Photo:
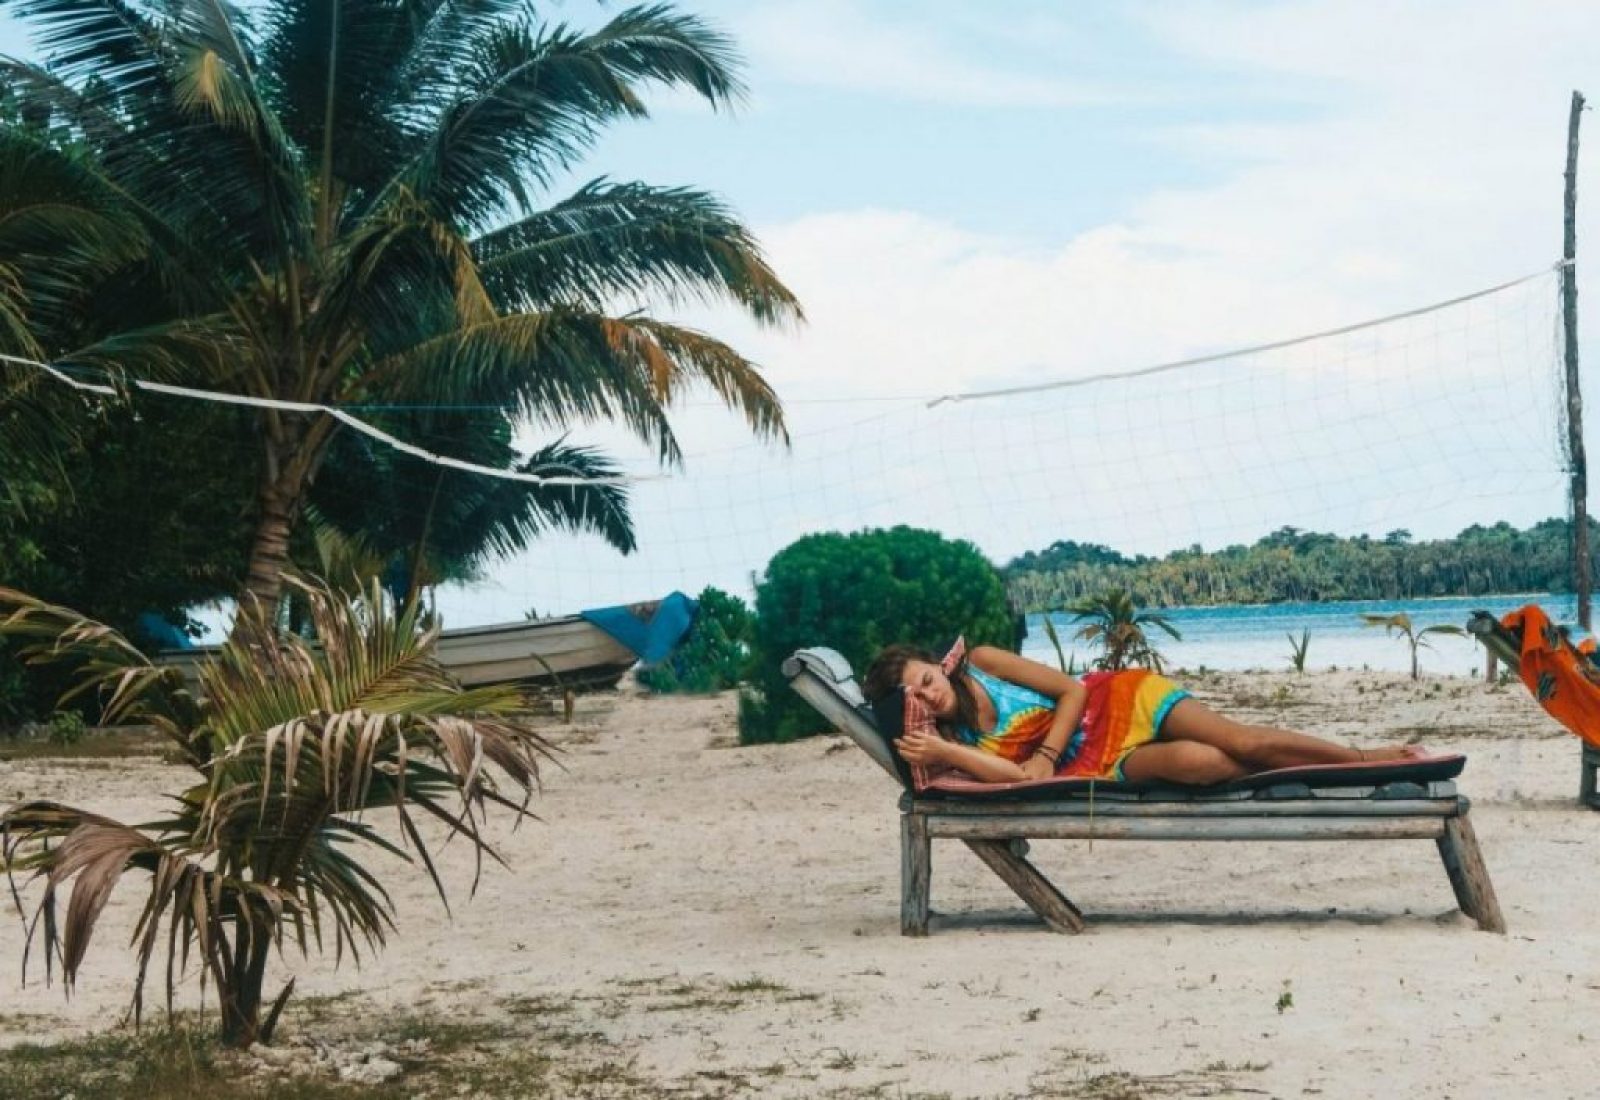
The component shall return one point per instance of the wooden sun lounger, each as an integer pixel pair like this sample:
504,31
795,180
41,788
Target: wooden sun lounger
996,821
1506,647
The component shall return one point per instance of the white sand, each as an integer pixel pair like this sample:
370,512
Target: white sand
671,866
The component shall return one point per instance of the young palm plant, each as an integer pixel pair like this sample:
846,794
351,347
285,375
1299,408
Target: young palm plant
1298,649
1400,623
1114,622
348,204
291,744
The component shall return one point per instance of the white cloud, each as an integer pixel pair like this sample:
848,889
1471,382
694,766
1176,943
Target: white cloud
1435,168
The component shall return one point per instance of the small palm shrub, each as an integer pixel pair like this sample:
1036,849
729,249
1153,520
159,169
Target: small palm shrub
290,744
1112,621
1298,650
1400,623
857,593
713,654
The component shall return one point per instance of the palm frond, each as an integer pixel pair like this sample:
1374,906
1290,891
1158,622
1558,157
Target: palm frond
104,664
557,367
92,853
110,41
527,102
610,240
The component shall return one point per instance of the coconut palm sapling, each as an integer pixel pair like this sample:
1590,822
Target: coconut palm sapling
291,745
1114,622
1417,640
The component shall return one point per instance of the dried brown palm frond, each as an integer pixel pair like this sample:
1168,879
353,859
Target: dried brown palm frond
293,743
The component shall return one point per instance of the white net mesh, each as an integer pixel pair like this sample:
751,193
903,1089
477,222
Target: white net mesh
1430,422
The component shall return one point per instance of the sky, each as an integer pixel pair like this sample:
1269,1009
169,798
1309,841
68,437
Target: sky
967,196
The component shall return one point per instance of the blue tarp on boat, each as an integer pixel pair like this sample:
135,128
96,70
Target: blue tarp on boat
653,639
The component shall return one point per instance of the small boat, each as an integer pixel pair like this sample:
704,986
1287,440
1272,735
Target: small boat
570,651
567,651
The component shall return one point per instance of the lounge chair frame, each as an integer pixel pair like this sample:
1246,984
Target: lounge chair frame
1502,645
998,831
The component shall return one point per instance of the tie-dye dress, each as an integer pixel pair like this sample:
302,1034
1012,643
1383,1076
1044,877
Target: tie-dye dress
1124,710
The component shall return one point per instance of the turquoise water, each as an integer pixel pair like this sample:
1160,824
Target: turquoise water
1256,635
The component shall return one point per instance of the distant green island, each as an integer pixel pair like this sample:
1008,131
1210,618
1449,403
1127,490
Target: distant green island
1295,564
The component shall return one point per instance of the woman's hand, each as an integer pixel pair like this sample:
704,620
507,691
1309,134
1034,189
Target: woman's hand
1038,766
922,748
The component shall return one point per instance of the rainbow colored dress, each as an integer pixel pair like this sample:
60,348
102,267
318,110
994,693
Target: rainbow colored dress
1124,710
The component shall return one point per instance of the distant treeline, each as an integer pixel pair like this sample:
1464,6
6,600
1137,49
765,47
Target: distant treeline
1292,564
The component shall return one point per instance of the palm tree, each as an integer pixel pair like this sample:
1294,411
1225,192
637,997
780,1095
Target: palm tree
340,203
290,743
1115,623
1400,623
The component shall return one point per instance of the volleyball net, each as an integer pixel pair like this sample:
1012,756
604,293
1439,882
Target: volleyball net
1428,422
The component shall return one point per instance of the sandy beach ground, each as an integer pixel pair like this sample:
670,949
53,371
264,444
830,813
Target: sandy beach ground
725,921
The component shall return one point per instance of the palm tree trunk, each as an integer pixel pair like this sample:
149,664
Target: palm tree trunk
241,1005
269,555
292,453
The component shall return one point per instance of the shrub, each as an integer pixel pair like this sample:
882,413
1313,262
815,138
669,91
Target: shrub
858,593
66,727
714,653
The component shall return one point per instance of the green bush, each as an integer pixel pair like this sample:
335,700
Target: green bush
858,593
66,728
713,655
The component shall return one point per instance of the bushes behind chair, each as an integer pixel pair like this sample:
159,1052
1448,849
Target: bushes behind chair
857,593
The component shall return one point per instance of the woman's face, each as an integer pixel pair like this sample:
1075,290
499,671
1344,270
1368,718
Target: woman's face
929,683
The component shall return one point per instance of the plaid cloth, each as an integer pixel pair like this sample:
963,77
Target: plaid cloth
918,716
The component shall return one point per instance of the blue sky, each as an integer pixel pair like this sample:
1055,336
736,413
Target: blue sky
1040,125
969,195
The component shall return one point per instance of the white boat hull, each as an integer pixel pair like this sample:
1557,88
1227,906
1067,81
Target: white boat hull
568,650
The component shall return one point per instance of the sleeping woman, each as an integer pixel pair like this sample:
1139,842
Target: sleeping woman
1001,718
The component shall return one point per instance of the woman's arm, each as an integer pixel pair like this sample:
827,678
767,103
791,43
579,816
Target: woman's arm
926,748
1068,692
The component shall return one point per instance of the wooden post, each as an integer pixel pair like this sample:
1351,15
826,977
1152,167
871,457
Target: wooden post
1589,778
1052,906
1463,862
1491,669
916,867
1577,464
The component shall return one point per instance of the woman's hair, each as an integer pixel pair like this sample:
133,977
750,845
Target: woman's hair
887,671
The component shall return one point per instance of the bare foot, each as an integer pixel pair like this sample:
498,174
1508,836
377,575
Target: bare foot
1412,751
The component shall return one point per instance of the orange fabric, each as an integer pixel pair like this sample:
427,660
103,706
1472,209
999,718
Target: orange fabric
1564,681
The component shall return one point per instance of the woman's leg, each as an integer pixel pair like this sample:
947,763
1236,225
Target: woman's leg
1260,748
1181,762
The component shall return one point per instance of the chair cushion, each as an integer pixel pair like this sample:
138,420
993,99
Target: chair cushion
1376,773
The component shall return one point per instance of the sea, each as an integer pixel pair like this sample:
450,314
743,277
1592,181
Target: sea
1257,636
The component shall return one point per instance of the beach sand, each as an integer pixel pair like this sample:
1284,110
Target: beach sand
726,921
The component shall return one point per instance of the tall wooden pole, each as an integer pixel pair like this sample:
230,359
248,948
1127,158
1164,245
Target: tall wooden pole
1569,318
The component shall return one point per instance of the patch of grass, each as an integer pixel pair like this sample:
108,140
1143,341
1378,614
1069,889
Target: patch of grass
104,744
757,985
449,1036
535,1046
156,1064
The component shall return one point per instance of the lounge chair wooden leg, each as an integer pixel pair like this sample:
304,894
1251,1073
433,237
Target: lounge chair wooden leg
916,868
1463,861
1032,887
1589,778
